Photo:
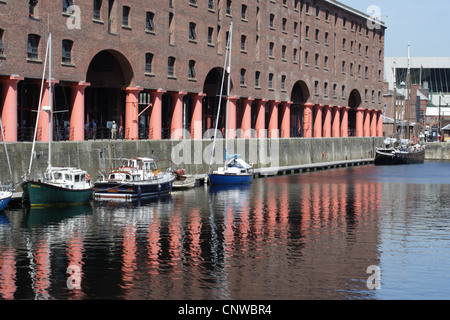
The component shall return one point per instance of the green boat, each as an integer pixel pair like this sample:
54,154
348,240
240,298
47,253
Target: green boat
61,186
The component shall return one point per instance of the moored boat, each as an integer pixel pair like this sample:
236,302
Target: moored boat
5,197
183,180
235,171
398,156
135,178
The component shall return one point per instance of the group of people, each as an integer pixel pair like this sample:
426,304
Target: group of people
90,130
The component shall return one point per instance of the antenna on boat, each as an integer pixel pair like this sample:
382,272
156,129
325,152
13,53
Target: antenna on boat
409,91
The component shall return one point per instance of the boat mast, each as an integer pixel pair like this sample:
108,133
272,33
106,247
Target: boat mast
6,151
409,91
230,37
50,115
395,100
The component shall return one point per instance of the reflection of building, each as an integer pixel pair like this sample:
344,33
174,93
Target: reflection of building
430,92
313,69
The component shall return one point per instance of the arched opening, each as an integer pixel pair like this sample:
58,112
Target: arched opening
354,102
212,88
299,96
108,72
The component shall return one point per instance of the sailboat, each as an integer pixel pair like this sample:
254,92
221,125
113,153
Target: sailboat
404,151
60,185
235,170
6,194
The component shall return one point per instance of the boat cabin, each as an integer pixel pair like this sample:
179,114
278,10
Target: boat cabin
135,169
67,177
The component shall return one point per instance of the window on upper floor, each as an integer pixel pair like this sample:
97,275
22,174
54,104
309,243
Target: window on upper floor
283,82
191,71
211,4
272,21
1,43
284,25
149,21
126,16
33,46
171,66
257,76
244,12
97,10
283,52
243,43
242,79
32,8
67,46
149,63
271,46
66,4
192,31
229,2
270,80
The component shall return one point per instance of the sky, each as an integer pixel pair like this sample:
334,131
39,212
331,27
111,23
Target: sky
422,24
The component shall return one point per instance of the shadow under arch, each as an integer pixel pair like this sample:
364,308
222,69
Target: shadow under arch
108,73
212,88
354,102
299,96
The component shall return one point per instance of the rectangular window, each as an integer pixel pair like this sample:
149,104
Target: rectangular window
192,32
210,35
191,69
97,9
242,82
149,23
66,4
33,46
229,7
67,51
32,11
270,80
126,16
171,67
1,42
210,4
148,63
257,76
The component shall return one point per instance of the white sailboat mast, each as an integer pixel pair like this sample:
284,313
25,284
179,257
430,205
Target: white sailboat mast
50,115
230,37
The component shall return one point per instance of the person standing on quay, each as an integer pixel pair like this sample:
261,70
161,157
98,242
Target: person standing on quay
93,129
113,130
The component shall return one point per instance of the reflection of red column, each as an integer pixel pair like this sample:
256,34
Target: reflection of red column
246,124
8,274
42,130
286,119
273,119
306,209
77,114
380,124
75,257
327,121
260,124
153,243
155,123
131,113
129,256
344,122
42,269
307,120
336,127
9,104
318,120
176,124
359,122
195,230
196,120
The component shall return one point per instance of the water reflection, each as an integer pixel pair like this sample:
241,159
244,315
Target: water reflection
309,236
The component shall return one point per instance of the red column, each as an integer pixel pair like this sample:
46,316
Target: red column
232,117
155,122
196,120
77,114
344,122
366,123
9,103
260,124
131,113
246,124
336,126
359,122
380,123
318,120
327,121
307,120
176,125
42,131
373,123
273,119
286,119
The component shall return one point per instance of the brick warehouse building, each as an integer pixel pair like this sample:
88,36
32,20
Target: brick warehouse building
299,68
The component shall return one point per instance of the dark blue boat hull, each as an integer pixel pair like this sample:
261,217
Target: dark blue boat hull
129,191
229,179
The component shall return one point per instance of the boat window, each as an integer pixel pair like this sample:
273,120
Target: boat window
153,166
112,176
83,177
77,178
128,177
57,175
68,177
